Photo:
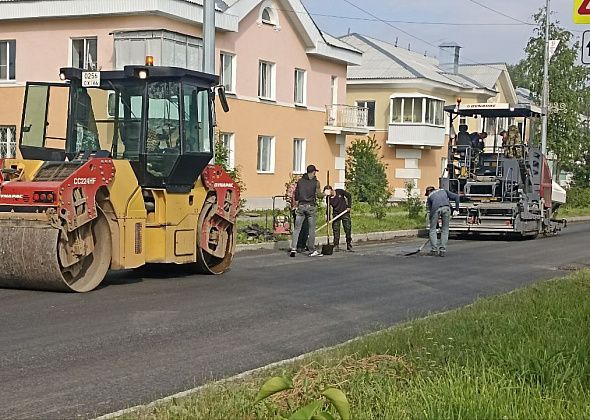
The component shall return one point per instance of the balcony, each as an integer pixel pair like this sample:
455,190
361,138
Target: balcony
346,119
416,135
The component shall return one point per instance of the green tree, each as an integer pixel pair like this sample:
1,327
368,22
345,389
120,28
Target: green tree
366,178
569,91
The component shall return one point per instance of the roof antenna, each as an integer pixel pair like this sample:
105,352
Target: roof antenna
396,38
409,47
348,30
425,53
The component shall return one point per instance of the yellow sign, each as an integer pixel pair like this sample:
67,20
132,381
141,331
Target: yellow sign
582,11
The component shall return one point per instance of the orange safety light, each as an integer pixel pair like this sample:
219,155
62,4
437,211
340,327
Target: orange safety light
149,60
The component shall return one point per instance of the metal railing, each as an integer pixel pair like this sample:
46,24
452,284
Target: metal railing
347,116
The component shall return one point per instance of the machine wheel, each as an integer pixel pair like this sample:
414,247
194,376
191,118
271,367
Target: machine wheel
90,270
35,255
217,232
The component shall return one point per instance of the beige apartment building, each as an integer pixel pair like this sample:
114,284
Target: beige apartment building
286,80
405,93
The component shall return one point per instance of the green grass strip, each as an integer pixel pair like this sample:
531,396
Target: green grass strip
524,355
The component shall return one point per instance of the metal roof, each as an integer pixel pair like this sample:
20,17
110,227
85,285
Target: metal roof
382,60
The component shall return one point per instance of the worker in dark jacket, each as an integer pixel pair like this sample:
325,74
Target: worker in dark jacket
439,207
307,192
340,201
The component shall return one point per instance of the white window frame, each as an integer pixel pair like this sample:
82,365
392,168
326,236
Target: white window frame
334,90
272,13
271,162
222,77
230,145
269,96
303,101
85,39
302,164
7,61
363,104
8,140
405,98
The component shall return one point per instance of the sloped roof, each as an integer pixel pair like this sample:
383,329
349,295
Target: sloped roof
486,74
383,60
227,17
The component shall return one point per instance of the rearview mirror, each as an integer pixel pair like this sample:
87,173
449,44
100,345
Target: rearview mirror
222,98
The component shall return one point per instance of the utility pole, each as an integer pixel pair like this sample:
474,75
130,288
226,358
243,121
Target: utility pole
545,102
209,36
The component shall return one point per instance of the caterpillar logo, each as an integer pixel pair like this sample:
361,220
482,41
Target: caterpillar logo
223,185
12,196
84,181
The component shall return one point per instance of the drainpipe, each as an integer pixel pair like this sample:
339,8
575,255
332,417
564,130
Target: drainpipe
209,36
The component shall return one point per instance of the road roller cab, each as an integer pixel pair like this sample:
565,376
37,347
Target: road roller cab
115,174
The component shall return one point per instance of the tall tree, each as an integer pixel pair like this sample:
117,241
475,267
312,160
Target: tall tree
569,93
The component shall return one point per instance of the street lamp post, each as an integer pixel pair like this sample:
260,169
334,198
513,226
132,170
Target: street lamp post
545,102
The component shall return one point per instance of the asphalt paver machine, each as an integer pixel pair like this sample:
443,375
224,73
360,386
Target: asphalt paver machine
505,187
115,173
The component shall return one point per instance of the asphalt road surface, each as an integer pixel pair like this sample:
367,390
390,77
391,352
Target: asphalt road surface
147,334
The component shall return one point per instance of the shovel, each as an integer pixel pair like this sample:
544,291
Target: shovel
328,249
418,250
333,219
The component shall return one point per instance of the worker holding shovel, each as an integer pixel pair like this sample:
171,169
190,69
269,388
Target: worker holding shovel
341,202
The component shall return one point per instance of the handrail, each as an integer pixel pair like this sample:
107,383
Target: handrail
347,116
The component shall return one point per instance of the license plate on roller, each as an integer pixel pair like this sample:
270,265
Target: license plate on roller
91,79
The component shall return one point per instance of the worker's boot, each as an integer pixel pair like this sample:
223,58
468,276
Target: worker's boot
349,246
336,247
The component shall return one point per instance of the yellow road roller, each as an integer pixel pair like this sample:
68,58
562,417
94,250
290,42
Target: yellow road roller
115,173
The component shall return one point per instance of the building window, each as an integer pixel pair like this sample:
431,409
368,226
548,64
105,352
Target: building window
84,53
417,111
462,120
227,139
7,141
434,111
370,105
227,72
300,87
299,156
334,90
268,15
168,49
266,154
266,80
7,60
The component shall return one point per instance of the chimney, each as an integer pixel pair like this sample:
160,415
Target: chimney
448,57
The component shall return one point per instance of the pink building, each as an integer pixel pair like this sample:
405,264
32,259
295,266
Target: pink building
284,77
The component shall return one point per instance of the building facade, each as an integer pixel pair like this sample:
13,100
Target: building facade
405,93
284,78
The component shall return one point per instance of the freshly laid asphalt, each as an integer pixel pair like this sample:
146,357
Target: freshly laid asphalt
154,332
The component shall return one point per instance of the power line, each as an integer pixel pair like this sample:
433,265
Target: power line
410,22
501,13
411,35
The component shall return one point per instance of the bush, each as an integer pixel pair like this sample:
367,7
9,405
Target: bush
366,179
578,197
413,202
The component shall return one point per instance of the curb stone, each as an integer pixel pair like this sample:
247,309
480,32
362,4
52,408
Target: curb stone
356,238
363,237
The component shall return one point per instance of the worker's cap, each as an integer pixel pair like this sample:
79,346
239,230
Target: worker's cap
429,190
312,168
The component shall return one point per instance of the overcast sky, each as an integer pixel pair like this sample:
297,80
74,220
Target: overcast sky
504,43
